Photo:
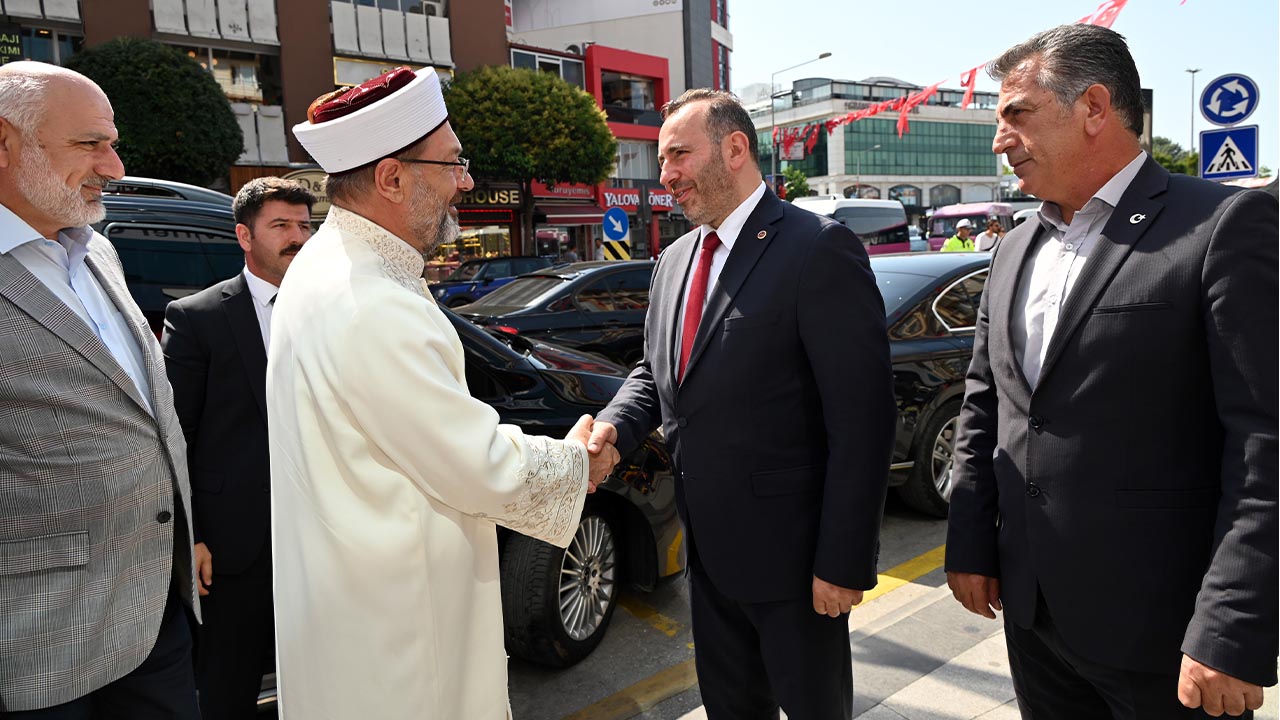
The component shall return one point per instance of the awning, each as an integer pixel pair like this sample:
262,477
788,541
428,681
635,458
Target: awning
572,214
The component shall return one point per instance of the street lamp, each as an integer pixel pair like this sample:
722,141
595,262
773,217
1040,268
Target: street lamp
857,154
1190,147
773,113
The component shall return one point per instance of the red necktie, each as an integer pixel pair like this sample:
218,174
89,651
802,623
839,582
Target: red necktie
697,298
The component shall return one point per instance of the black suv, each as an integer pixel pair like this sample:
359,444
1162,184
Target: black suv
630,532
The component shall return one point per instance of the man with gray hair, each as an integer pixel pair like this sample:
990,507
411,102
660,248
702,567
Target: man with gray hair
1115,470
96,581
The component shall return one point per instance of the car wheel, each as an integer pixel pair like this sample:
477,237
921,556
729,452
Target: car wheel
556,604
928,489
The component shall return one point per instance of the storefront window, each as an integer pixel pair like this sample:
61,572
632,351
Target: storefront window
637,161
49,46
472,243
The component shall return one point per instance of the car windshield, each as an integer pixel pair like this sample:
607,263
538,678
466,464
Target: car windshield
898,288
465,271
946,226
521,292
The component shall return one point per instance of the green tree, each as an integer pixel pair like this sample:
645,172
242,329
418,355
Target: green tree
173,119
1264,171
796,182
1173,157
522,125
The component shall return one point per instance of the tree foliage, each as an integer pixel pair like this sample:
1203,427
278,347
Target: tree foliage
1173,158
173,119
517,124
795,181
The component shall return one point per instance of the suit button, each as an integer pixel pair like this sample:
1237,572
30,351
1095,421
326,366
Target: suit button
681,422
1036,422
1033,490
164,517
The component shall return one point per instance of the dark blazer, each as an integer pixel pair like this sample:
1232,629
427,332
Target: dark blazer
1137,484
217,365
782,429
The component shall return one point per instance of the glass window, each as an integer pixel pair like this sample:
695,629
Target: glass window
527,61
567,69
38,45
957,306
596,297
637,160
630,290
522,292
628,91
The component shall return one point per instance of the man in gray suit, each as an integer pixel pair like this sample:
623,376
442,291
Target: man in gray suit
96,582
1115,479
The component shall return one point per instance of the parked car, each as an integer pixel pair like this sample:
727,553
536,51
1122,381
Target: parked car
170,248
152,187
931,305
476,278
596,306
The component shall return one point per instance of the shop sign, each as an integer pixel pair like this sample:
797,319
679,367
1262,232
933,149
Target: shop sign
10,43
661,200
628,199
313,180
492,196
569,191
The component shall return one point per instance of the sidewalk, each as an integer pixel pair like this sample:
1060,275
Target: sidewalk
919,655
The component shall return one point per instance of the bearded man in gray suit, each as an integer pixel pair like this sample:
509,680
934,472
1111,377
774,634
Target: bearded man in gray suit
96,582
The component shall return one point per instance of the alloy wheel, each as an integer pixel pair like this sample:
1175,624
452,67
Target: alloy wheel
944,448
587,578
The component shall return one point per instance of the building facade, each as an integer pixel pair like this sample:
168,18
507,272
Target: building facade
944,158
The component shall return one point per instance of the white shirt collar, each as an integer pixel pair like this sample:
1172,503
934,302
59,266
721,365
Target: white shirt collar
732,225
15,231
261,290
1110,193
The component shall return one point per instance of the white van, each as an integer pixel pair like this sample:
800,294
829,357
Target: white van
881,225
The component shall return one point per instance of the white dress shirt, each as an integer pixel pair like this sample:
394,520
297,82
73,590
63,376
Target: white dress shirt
728,234
1056,262
264,293
61,267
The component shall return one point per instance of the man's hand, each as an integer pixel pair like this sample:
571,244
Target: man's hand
1200,686
978,593
603,458
602,433
833,600
204,568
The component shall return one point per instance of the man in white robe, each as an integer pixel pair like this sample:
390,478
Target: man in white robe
387,477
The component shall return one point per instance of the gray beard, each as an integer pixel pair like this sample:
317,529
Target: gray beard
40,186
431,222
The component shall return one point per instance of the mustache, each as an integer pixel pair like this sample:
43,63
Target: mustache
97,181
290,250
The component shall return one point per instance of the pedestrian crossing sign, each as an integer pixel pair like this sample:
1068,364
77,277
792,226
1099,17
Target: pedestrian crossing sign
1229,153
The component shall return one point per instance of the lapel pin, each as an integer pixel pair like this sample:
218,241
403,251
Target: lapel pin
1136,218
761,235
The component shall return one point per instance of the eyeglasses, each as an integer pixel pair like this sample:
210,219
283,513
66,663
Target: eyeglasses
461,162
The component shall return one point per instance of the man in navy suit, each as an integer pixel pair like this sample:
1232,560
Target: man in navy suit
767,365
215,355
1115,478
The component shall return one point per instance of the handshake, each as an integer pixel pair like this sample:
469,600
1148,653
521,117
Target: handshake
599,438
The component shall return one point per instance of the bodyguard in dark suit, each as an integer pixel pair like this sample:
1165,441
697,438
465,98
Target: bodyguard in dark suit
1115,480
215,352
767,365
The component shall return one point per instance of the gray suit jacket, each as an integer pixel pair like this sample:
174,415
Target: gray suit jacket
94,500
1135,486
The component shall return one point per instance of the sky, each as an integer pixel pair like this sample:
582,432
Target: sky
925,41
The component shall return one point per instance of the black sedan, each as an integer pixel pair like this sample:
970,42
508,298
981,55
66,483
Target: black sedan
931,302
597,307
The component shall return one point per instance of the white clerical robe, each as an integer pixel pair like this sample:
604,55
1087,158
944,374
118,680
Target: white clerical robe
387,480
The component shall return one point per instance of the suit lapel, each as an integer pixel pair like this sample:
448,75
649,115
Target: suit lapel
752,241
138,328
237,303
1019,253
677,263
31,296
1135,212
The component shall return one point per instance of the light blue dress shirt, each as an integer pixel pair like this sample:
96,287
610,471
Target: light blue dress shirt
61,267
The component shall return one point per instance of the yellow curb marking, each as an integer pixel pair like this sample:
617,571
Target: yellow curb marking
655,619
647,693
899,575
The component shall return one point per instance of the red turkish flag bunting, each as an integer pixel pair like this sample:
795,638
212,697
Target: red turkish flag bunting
967,80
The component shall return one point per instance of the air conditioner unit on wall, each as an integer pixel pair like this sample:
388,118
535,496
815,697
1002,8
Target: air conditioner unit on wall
433,8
